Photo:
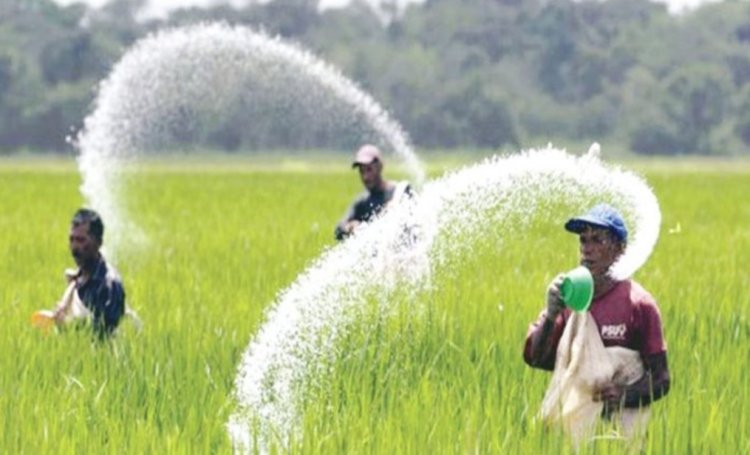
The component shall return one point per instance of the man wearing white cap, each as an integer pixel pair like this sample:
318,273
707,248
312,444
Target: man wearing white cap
380,192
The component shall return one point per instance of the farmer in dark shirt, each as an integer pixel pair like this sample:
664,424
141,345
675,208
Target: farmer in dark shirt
626,314
97,284
380,192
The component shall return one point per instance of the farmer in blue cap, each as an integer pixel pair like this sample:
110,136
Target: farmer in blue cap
625,313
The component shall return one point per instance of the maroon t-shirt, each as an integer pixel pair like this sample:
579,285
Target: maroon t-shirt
625,316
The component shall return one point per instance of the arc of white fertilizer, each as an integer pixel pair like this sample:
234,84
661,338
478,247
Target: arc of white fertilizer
293,347
199,68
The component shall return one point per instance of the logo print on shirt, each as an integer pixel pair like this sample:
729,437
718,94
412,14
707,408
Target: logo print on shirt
614,332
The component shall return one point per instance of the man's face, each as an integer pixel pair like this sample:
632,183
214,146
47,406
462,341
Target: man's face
370,174
599,250
83,246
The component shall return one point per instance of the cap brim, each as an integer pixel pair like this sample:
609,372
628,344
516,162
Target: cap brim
577,225
361,163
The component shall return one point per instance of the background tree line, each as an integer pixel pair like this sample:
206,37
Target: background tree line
455,73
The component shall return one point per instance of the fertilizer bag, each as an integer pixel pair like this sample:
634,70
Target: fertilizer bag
582,366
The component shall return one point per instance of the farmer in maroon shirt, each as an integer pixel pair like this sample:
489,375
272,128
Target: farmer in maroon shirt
626,315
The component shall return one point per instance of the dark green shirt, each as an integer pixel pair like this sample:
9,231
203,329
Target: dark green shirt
366,207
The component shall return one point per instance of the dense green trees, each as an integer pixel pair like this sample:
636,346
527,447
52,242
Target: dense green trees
505,73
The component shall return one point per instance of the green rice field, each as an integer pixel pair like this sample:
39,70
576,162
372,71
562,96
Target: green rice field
444,375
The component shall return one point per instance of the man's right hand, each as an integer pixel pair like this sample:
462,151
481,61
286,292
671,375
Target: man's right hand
554,302
58,315
350,226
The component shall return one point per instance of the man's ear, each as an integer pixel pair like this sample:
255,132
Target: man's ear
621,247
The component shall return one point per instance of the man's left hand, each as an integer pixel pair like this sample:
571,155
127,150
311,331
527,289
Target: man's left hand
611,395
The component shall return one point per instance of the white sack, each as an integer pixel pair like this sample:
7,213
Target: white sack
582,366
73,308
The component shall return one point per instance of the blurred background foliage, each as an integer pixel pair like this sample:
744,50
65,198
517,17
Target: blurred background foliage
500,74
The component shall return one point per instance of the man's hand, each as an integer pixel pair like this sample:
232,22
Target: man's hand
59,315
554,302
611,396
350,226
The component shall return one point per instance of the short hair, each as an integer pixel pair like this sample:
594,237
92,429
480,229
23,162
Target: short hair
96,226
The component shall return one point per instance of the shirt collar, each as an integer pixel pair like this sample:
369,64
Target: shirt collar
100,271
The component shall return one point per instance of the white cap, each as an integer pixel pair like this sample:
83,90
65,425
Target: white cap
366,154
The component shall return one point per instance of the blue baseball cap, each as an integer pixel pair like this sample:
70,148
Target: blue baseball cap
601,216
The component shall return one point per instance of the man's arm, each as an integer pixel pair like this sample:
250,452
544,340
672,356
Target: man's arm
655,382
542,340
544,335
652,386
345,227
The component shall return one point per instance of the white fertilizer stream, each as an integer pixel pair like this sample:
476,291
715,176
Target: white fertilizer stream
174,82
298,341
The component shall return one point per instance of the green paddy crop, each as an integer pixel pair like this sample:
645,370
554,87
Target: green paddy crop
443,375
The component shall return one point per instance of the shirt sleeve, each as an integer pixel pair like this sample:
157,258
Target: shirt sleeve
652,335
544,357
654,384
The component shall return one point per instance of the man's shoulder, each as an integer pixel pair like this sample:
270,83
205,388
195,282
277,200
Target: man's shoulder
629,292
400,189
639,294
110,275
361,198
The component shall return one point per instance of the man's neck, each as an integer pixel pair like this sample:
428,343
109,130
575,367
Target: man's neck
88,269
602,285
382,187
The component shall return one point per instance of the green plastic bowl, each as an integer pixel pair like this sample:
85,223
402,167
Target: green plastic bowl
577,289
